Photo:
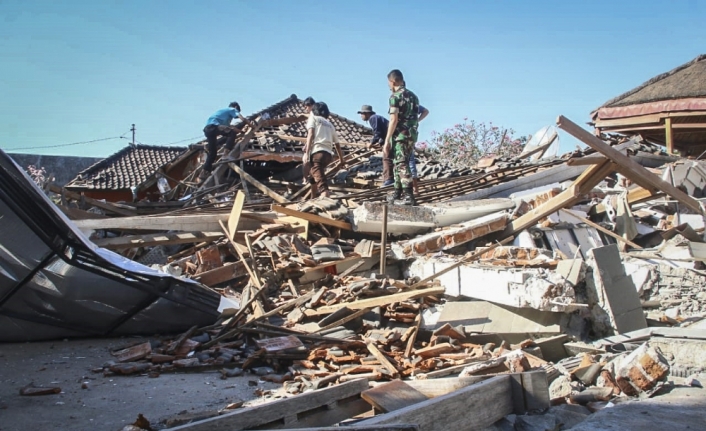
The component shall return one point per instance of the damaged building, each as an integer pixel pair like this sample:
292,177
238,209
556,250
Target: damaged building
535,284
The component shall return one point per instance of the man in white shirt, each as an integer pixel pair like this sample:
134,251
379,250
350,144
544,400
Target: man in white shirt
318,152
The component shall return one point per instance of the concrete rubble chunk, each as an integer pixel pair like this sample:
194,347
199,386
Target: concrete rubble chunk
449,238
641,370
614,291
516,287
485,317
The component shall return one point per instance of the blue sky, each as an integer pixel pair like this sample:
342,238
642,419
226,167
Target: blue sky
76,71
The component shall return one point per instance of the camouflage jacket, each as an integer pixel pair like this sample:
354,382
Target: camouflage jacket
405,104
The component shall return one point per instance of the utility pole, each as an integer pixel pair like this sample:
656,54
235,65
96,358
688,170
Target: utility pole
132,129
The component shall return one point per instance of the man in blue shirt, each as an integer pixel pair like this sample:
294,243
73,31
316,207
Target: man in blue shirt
379,124
218,124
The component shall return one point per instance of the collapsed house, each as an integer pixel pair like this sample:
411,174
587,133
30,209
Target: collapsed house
535,281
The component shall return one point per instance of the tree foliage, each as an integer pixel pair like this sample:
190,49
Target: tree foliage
467,142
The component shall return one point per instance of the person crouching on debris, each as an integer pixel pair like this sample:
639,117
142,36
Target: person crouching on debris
321,140
379,124
401,136
218,124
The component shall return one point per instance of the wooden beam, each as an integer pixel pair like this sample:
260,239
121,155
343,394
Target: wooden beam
380,356
314,218
254,280
286,410
669,136
638,174
151,240
263,188
473,407
341,322
616,122
601,228
393,396
94,202
635,196
235,212
377,301
583,184
585,161
227,272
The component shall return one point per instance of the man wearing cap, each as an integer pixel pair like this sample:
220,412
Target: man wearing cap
218,124
379,124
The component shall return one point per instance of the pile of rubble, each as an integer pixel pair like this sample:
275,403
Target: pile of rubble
517,268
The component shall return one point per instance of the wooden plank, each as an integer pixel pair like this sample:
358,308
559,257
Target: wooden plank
314,218
643,119
253,278
186,223
277,411
263,188
227,272
638,174
391,396
584,183
436,387
94,202
132,241
234,217
377,302
536,390
372,348
344,320
601,228
473,407
413,336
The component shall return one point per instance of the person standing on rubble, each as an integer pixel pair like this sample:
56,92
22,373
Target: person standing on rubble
321,140
379,124
401,136
218,124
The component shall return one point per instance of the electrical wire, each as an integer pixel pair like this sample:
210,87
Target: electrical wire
66,145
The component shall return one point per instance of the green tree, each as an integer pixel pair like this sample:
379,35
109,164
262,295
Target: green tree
467,142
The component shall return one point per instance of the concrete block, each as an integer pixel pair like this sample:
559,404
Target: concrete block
641,370
400,219
573,270
485,317
615,291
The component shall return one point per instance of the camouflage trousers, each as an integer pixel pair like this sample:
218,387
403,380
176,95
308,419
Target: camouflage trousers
402,150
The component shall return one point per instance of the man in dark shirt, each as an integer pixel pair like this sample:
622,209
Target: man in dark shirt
379,124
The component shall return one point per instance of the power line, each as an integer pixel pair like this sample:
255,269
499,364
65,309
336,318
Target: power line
66,145
200,137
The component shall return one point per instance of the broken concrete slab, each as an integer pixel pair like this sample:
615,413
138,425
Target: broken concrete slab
614,290
485,317
449,238
517,287
368,218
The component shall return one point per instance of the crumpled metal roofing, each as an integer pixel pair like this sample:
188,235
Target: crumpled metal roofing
55,283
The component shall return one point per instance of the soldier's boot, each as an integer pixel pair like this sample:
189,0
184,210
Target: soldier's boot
408,198
394,196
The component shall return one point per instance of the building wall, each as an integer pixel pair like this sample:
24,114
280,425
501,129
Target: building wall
64,168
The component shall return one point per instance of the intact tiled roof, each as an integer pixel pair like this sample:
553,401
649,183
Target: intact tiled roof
127,168
348,130
685,81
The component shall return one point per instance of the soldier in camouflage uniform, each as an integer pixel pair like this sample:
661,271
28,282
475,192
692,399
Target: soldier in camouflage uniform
402,136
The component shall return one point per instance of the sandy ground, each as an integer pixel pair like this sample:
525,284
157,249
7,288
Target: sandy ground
108,403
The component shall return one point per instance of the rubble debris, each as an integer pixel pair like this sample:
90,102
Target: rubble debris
31,390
